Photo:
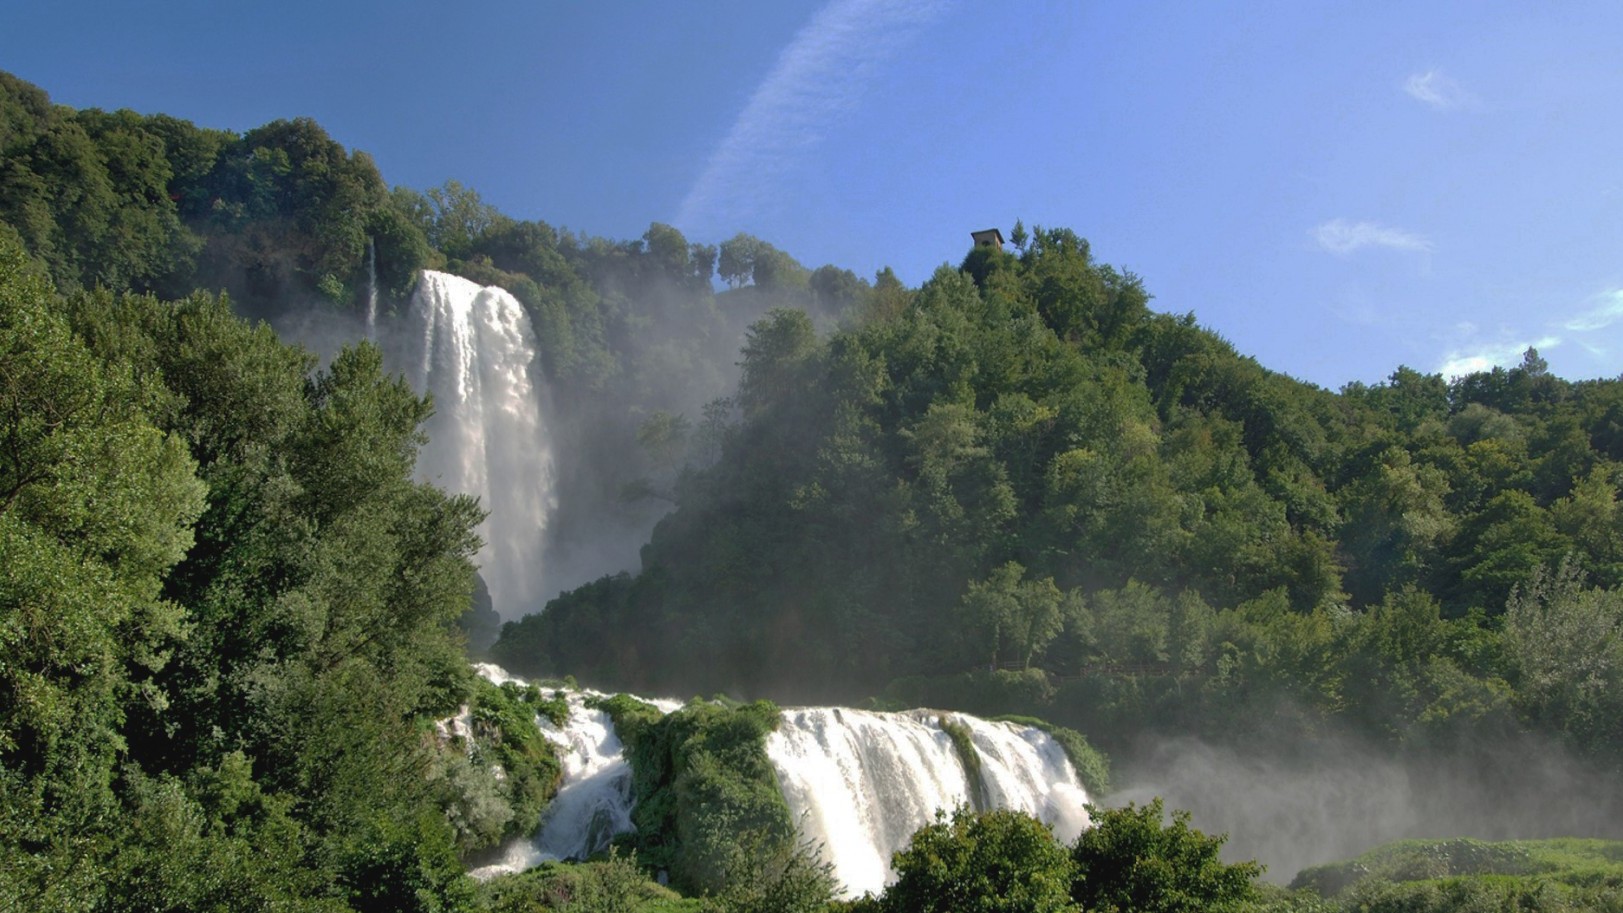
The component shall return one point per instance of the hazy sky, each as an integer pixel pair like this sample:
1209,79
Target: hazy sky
1337,188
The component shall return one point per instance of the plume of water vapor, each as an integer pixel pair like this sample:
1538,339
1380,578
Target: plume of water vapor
1308,803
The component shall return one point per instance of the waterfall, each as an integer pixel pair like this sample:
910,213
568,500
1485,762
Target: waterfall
859,783
487,437
593,803
371,290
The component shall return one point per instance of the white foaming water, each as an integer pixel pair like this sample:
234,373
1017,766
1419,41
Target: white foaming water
858,783
861,783
594,801
487,437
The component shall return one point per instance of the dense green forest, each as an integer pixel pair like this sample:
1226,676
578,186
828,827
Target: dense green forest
228,615
1022,490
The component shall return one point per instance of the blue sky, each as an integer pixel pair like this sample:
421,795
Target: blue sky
1337,188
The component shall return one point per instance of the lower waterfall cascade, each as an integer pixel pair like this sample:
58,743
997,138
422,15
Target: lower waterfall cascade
858,783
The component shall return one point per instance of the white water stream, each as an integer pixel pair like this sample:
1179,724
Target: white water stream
857,782
487,437
860,783
371,290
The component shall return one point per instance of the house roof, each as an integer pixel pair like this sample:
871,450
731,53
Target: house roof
987,236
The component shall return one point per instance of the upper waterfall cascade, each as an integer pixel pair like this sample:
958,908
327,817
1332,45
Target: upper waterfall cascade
487,437
858,783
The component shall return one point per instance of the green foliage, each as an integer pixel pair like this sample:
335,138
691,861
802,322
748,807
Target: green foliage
1460,874
96,505
390,865
764,874
963,743
1566,643
981,862
708,806
1421,860
227,616
1130,860
219,844
1018,618
151,203
483,806
614,885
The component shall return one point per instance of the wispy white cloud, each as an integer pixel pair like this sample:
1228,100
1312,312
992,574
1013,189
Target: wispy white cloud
1439,91
1469,358
1469,351
1606,310
820,76
1339,236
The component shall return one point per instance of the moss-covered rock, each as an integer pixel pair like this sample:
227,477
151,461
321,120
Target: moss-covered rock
498,783
963,742
708,801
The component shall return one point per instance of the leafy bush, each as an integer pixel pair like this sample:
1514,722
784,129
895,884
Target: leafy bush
999,861
505,734
614,885
1129,860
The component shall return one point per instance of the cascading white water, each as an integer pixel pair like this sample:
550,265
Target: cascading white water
371,290
593,803
487,436
859,783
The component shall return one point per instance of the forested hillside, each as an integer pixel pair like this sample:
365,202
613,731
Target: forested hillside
1021,467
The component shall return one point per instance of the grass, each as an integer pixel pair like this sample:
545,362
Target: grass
1566,867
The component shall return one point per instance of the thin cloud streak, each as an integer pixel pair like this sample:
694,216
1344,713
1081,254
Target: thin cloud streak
820,76
1438,91
1472,355
1599,317
1341,237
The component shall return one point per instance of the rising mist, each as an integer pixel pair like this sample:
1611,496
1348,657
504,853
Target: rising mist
1333,797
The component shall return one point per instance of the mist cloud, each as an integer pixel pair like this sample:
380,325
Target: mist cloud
1293,806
